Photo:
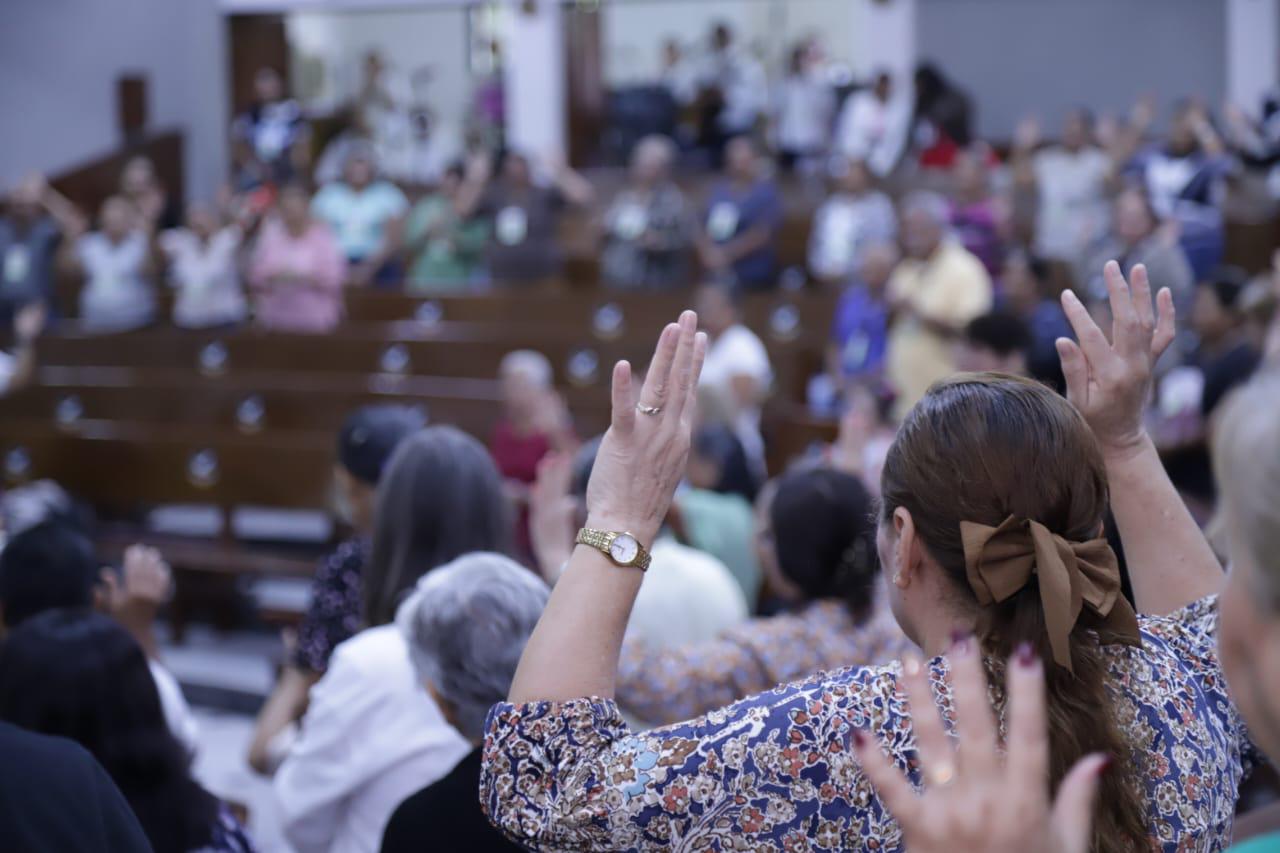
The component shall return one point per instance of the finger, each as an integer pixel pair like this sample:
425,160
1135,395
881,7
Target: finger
1072,821
1075,370
1093,344
682,365
1166,325
691,400
1124,318
624,407
1140,292
656,383
891,785
976,724
932,746
1028,737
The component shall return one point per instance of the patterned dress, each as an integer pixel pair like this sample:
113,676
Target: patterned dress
774,772
666,685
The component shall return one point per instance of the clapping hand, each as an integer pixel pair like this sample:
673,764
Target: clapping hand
1109,382
642,456
975,800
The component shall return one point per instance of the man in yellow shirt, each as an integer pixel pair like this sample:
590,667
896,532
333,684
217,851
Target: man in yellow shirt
934,292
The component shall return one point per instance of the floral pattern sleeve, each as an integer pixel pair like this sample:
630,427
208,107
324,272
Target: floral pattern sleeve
705,676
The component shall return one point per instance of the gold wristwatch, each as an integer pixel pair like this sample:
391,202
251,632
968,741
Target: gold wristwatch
622,548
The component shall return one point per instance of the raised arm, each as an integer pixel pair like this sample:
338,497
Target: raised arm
573,652
474,183
1170,562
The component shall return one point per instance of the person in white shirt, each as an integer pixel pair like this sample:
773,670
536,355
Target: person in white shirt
804,110
735,85
736,368
116,262
371,735
873,126
203,270
854,216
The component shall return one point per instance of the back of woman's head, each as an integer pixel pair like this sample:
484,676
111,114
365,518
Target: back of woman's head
716,449
78,674
440,497
824,536
984,448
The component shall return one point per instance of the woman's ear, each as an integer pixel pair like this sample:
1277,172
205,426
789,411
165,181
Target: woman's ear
906,548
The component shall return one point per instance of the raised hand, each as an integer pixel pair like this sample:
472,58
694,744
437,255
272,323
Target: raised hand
975,800
642,456
1109,382
552,512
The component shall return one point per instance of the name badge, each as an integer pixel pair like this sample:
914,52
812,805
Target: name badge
632,220
17,263
511,226
722,221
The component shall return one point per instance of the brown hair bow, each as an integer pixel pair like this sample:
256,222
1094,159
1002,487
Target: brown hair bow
999,561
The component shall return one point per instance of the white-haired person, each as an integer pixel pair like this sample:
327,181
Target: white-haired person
466,624
648,227
933,294
534,419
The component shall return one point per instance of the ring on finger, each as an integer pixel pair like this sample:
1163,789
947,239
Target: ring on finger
648,410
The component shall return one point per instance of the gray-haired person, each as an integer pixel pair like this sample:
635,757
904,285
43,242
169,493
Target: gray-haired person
466,625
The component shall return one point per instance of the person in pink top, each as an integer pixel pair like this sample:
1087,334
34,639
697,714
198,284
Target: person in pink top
298,270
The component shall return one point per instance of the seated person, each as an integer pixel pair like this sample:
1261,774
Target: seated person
204,260
737,365
997,341
78,674
445,251
297,270
534,418
859,330
523,215
466,625
366,442
826,571
367,217
978,217
737,242
52,565
854,217
1030,294
33,223
371,735
117,264
648,227
1137,237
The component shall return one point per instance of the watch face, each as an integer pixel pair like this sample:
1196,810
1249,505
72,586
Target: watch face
624,549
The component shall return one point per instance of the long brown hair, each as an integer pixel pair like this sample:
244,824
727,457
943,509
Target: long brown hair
983,447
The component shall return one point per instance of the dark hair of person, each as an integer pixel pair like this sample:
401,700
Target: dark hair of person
78,674
981,448
718,444
440,497
1227,283
457,169
44,567
999,331
371,434
825,536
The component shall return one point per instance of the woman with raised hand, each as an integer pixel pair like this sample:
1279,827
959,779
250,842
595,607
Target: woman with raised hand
993,498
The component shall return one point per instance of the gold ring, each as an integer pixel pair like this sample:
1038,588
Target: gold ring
942,776
648,410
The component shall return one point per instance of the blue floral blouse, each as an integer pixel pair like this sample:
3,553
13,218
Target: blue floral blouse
774,772
664,685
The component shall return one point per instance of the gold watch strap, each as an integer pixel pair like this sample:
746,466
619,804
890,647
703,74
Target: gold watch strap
601,540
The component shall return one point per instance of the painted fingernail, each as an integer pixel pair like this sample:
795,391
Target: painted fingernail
1025,655
859,738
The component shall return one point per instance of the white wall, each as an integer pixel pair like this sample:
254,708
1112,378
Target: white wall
59,61
1253,50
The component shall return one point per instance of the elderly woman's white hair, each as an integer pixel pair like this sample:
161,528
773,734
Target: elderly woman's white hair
530,364
466,624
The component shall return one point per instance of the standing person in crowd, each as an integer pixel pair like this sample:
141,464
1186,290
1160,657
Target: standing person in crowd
737,367
1069,181
738,238
837,613
366,214
804,109
943,120
978,218
156,208
79,675
1030,295
117,263
34,221
732,92
269,140
371,735
859,329
1136,237
466,625
984,563
873,126
934,292
298,270
445,250
523,215
855,216
366,442
56,796
648,228
204,259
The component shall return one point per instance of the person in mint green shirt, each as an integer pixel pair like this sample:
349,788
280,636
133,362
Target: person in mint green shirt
366,214
445,251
